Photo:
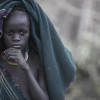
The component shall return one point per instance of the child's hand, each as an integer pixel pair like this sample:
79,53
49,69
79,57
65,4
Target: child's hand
15,55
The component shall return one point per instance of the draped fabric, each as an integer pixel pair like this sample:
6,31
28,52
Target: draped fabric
8,89
55,58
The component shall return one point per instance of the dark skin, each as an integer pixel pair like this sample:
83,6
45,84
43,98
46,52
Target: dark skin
29,74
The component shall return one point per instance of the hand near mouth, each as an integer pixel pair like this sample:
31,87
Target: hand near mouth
15,55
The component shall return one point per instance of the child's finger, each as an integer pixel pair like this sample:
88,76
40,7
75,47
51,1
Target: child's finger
12,58
6,55
12,50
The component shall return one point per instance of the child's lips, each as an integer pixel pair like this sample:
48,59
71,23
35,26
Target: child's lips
16,46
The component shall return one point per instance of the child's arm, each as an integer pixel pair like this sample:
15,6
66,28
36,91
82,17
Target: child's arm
37,89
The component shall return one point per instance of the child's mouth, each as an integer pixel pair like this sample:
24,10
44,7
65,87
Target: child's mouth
16,46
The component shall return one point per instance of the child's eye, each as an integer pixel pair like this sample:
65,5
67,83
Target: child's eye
22,33
9,33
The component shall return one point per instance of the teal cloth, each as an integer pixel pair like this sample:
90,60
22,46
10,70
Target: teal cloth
55,58
8,89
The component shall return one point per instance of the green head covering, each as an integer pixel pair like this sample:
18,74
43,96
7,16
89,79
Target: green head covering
56,59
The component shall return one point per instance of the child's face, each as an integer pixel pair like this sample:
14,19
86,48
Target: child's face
16,30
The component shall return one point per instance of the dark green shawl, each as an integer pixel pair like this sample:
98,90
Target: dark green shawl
56,59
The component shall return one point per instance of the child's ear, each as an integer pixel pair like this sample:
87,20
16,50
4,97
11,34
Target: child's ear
1,33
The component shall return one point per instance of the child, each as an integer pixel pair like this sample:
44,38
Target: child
32,55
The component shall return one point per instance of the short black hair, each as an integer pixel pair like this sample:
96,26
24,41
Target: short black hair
20,8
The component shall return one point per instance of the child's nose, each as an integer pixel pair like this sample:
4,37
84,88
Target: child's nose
16,37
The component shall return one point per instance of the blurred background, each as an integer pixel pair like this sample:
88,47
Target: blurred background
77,22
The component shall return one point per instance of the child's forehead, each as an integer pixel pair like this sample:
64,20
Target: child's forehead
18,10
15,15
